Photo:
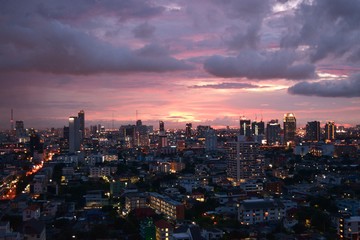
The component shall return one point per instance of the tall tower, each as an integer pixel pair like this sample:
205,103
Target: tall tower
273,130
20,130
330,130
289,127
245,161
162,136
188,130
210,140
258,128
161,128
245,127
81,117
74,134
313,131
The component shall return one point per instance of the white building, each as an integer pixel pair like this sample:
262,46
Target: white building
254,211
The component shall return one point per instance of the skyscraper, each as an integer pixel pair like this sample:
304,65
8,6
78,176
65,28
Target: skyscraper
313,131
330,130
245,161
273,130
74,134
162,135
161,128
188,130
81,117
245,127
20,130
289,127
210,140
258,128
141,134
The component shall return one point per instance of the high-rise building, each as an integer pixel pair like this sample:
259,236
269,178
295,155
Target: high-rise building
273,130
188,130
245,161
81,117
289,127
162,135
141,134
245,127
201,130
210,140
258,128
66,133
161,128
20,130
74,134
313,131
330,130
127,135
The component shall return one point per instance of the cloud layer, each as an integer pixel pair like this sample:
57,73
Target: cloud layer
329,88
253,65
206,60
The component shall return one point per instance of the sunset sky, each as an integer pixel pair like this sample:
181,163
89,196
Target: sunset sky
200,61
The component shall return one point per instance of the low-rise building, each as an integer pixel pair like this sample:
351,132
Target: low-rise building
348,228
254,211
95,199
171,208
31,212
163,230
135,200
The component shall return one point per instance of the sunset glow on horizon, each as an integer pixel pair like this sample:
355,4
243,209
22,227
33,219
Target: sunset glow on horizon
204,62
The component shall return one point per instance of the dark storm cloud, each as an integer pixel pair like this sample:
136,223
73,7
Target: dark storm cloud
330,28
253,65
30,41
329,88
227,85
58,48
144,30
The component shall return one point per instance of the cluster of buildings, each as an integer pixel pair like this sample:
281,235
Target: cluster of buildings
188,184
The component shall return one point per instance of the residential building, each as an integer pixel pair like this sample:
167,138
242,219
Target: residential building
330,131
255,211
163,204
135,200
348,228
245,161
163,230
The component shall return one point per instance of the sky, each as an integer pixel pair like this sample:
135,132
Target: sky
207,62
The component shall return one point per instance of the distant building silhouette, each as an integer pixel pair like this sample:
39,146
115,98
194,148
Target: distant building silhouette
81,117
74,134
289,127
245,127
313,131
258,128
330,130
273,130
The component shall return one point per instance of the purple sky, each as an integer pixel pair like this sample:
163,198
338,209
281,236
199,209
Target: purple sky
205,62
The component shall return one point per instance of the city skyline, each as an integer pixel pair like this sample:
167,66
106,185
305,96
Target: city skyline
203,62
